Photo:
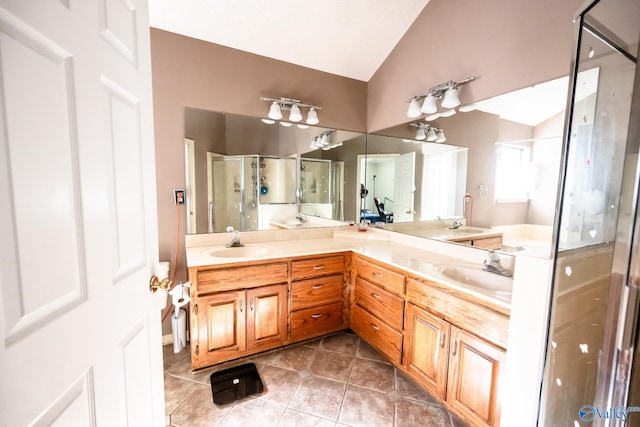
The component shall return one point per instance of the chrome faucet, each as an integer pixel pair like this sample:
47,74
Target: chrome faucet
456,224
492,265
235,240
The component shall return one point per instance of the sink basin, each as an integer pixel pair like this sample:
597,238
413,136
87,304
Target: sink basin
240,252
463,231
475,276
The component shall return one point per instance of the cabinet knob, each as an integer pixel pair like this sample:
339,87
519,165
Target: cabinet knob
376,275
241,305
251,304
377,328
318,267
376,296
317,287
454,347
315,316
442,340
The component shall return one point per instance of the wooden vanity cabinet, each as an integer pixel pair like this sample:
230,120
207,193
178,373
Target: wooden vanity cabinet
445,354
247,315
426,349
377,314
492,242
317,287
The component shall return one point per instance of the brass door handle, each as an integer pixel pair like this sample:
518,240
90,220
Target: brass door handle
155,284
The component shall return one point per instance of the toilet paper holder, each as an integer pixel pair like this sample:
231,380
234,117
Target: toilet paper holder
155,284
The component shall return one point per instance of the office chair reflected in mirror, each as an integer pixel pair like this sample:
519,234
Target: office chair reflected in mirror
385,216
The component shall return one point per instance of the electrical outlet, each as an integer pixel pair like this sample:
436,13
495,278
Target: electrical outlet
178,197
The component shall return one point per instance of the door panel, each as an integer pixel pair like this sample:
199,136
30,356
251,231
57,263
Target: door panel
404,187
267,321
78,224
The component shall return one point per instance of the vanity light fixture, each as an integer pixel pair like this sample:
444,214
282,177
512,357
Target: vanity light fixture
447,92
428,133
323,141
294,106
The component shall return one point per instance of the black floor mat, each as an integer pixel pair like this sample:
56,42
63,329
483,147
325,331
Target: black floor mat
235,383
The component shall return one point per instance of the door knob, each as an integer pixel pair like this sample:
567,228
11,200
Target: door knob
155,284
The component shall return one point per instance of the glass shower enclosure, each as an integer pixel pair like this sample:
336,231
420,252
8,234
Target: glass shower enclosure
594,312
241,186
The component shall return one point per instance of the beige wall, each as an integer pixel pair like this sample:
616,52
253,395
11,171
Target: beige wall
193,73
508,44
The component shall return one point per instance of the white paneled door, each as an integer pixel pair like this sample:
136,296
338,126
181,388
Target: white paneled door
80,339
404,186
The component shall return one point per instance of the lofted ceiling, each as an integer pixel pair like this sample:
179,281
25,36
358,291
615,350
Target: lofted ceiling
350,38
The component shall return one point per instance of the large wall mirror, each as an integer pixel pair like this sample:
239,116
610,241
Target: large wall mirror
511,145
255,174
497,170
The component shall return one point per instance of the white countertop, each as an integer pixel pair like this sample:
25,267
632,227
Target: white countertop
416,257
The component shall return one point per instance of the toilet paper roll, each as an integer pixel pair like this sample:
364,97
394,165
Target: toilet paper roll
162,272
162,269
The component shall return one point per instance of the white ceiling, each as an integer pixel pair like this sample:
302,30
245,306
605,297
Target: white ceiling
350,38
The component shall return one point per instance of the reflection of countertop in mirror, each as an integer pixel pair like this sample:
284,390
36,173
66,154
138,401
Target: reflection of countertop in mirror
418,257
309,222
527,239
441,229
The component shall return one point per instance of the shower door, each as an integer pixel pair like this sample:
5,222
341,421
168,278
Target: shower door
594,226
233,193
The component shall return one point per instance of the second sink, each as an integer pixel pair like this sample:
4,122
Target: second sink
475,276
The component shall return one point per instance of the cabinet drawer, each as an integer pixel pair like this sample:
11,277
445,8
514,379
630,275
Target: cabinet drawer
474,318
316,267
488,243
316,321
314,292
379,302
380,275
225,279
377,333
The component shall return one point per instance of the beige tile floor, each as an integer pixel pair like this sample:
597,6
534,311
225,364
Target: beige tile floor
334,381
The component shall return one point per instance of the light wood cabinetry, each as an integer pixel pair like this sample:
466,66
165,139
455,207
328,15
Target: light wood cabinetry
241,309
317,286
490,242
473,386
426,349
377,315
237,311
444,353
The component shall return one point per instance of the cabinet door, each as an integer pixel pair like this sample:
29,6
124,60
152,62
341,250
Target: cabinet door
475,369
221,326
266,316
426,343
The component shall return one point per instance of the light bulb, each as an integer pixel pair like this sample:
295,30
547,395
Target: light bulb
286,124
295,115
432,117
274,112
429,105
440,137
450,99
431,135
312,117
268,121
420,135
414,109
448,113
